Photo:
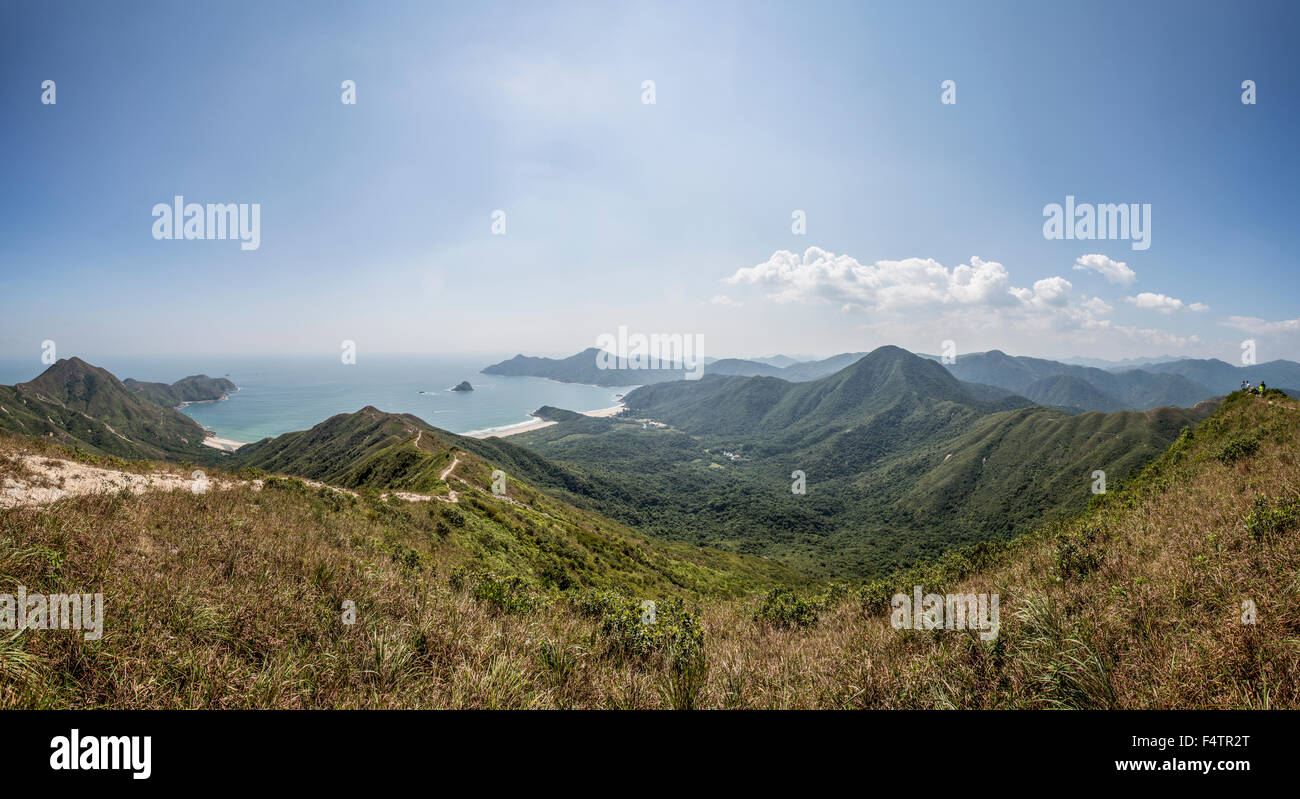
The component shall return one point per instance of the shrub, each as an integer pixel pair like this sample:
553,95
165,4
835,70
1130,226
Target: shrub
291,485
406,557
335,500
507,594
783,608
1268,519
876,595
1236,448
674,634
835,594
1076,557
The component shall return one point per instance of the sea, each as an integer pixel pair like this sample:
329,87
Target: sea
280,394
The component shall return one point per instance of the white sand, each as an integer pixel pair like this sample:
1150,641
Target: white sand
223,444
536,424
603,412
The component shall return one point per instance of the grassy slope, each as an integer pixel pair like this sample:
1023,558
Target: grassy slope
231,599
1138,601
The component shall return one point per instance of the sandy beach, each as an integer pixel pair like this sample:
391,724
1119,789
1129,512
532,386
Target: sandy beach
227,445
536,424
223,444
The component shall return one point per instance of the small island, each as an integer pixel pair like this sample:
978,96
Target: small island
464,386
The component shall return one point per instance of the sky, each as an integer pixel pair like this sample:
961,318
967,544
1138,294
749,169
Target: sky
922,221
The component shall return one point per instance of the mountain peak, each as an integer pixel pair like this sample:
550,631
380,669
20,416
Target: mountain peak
72,379
890,351
91,407
909,363
73,365
885,373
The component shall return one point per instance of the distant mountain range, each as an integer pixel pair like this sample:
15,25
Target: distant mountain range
780,360
584,368
1073,388
1123,363
1082,388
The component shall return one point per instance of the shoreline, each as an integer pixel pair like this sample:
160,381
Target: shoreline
503,431
210,438
224,396
223,444
535,424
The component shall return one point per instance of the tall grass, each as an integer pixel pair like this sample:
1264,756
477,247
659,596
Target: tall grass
235,598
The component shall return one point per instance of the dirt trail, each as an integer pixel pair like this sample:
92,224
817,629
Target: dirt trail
43,480
40,481
451,493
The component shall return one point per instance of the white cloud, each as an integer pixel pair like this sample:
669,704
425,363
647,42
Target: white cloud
918,302
723,299
1114,271
1162,303
1253,324
1054,291
1097,306
821,276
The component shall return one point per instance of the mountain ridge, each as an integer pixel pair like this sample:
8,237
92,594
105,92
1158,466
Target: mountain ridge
82,404
716,465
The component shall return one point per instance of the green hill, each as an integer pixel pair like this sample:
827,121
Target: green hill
195,388
901,460
1071,394
548,413
82,405
377,451
580,368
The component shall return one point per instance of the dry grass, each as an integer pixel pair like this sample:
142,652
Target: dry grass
233,599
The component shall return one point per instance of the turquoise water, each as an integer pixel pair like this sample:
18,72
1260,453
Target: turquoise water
281,394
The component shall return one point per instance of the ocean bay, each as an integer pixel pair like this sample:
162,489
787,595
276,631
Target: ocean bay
280,394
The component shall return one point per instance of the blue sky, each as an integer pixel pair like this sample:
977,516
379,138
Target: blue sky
669,217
